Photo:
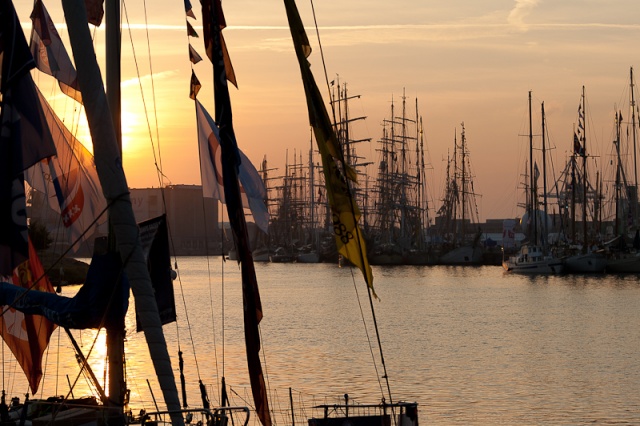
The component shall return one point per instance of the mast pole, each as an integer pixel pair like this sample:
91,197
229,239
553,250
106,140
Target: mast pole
544,173
391,175
635,149
312,201
115,334
532,178
456,189
113,68
114,185
618,168
403,179
584,175
463,181
419,194
633,128
345,127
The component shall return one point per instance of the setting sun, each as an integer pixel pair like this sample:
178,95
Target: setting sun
131,126
473,63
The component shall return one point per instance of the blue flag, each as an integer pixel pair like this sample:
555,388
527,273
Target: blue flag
24,137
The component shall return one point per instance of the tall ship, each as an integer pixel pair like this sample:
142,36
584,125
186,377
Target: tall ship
347,128
290,227
580,199
457,222
400,211
624,246
535,256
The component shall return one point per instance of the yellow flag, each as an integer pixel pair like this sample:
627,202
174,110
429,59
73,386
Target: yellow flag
344,212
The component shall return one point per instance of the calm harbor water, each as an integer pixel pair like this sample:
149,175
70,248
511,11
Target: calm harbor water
470,345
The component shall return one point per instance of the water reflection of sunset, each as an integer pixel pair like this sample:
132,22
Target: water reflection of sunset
94,345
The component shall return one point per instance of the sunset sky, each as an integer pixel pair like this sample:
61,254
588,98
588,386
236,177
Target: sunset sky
465,60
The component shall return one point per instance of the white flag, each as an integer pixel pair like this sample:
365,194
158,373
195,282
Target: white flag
251,186
69,180
49,52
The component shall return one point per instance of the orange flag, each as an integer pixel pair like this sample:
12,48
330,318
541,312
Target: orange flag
28,335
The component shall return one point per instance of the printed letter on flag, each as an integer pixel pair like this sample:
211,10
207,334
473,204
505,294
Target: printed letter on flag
24,138
345,213
28,335
69,180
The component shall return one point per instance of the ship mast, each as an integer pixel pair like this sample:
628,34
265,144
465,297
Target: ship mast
114,185
584,174
532,180
116,334
633,124
544,174
635,162
463,185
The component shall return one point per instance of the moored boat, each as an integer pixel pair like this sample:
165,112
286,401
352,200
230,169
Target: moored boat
458,214
282,255
311,256
465,255
535,257
593,262
532,260
261,254
623,262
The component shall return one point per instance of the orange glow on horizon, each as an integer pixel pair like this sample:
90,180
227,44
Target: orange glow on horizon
474,64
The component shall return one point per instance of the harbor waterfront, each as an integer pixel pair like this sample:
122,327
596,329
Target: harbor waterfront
471,345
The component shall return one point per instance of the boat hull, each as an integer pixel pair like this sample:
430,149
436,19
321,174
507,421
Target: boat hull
385,259
586,263
419,257
465,255
312,257
261,255
532,260
542,267
625,263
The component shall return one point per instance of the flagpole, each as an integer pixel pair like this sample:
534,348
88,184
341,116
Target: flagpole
633,131
545,228
584,173
109,166
115,335
252,306
532,207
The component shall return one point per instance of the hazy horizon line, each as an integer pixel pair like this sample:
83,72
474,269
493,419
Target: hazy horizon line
172,27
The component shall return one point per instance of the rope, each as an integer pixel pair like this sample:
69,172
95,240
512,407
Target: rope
324,65
153,87
366,331
144,103
386,377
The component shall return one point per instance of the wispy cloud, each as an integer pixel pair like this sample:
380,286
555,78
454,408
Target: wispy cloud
516,17
520,12
424,33
164,75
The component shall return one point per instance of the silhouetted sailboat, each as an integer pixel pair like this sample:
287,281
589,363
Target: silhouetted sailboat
457,221
624,249
534,256
587,258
